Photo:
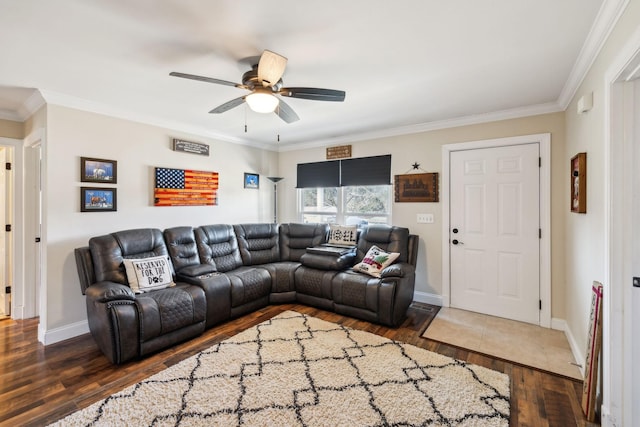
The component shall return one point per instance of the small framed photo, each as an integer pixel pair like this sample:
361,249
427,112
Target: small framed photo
251,180
98,170
98,199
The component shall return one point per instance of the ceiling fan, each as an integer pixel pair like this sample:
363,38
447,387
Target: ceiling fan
264,80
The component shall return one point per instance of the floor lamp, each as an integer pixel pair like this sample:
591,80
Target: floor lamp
275,180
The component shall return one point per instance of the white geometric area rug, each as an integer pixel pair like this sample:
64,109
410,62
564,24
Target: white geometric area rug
296,370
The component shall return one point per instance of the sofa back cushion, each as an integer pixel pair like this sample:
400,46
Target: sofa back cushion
218,246
182,247
108,251
296,238
386,237
258,243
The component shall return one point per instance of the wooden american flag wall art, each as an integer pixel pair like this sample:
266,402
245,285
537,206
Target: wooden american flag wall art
183,187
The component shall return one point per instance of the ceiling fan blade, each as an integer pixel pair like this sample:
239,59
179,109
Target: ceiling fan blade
206,79
228,105
271,68
286,113
313,93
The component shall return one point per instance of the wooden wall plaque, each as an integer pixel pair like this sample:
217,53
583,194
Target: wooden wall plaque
339,152
579,183
416,187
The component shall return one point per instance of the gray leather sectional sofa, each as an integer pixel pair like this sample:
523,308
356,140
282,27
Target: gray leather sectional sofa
224,271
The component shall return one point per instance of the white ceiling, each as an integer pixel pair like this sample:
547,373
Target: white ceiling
405,65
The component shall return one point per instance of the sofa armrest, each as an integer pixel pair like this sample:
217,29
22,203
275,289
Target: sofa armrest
109,291
400,269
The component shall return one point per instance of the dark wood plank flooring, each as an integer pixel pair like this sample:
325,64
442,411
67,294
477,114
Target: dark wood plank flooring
39,385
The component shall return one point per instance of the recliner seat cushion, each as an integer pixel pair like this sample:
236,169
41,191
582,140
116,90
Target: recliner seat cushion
356,290
249,284
167,310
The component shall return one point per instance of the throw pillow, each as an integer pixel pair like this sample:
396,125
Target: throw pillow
375,261
343,235
149,274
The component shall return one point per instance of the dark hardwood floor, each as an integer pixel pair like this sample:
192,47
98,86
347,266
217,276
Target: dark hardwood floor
39,385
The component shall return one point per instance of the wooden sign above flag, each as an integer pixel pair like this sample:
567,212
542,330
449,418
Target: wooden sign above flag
181,187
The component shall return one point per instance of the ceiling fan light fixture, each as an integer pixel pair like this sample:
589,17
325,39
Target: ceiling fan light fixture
262,102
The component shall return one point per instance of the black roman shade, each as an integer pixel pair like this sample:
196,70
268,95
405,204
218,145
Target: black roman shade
366,171
374,170
319,174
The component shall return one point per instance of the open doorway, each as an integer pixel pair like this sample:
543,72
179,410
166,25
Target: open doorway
6,244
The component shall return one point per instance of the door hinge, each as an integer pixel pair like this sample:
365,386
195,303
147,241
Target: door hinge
539,162
37,240
7,290
7,228
539,233
540,304
7,166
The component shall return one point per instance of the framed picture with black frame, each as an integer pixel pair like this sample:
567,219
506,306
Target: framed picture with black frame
98,170
98,199
251,180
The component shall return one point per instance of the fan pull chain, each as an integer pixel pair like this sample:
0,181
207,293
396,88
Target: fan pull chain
245,119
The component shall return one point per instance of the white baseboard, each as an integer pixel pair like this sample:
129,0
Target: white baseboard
578,354
427,298
62,333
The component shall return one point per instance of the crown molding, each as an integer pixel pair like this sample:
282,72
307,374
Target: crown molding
63,100
514,113
10,115
32,104
607,18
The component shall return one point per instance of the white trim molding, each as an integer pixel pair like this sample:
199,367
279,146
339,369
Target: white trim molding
62,333
620,395
427,298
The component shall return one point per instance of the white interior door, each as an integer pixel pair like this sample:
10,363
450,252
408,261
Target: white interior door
635,249
494,231
33,186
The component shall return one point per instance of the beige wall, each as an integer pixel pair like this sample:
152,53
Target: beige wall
137,148
11,129
425,148
585,234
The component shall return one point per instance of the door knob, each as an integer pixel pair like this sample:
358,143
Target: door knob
457,242
455,230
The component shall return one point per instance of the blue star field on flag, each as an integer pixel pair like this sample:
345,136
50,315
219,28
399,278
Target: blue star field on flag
169,178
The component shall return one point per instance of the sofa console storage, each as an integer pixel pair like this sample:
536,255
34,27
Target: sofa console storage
147,289
328,261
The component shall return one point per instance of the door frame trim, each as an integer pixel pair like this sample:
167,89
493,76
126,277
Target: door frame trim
17,238
544,142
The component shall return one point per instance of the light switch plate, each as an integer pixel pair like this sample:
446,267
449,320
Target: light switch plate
424,218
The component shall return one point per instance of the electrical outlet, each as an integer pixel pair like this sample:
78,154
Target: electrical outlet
424,218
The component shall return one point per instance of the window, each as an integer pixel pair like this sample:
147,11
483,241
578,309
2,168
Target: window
350,191
345,205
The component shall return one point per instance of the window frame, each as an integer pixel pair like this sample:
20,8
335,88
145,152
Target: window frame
341,213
